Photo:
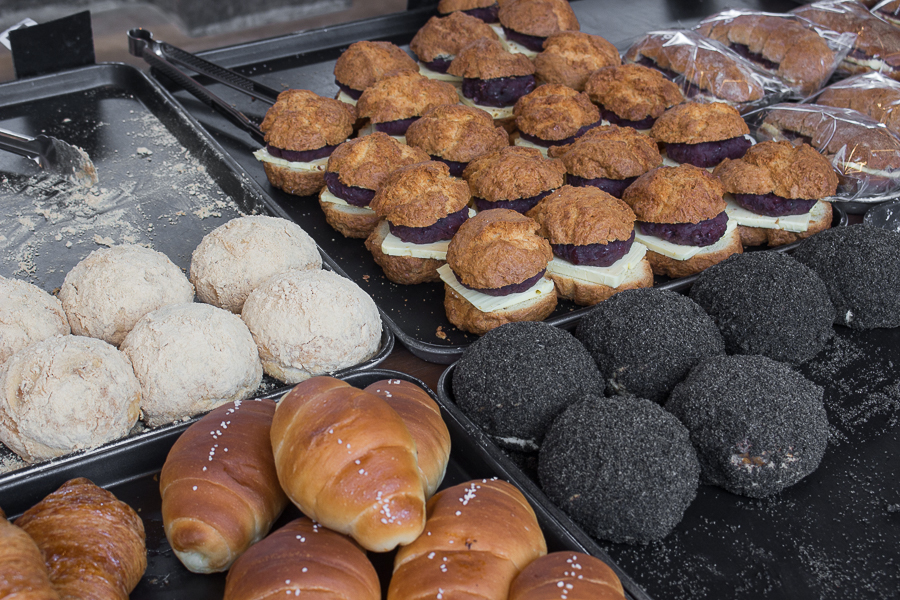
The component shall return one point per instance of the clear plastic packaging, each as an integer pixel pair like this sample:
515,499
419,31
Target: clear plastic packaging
872,94
877,45
863,151
800,53
889,10
706,70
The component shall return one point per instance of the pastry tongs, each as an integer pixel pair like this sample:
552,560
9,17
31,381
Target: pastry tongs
53,155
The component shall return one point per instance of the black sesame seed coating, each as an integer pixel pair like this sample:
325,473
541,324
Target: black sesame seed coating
646,340
758,425
623,468
767,303
515,379
860,266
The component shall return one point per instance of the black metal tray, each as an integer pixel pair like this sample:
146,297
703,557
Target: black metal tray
832,535
306,60
131,473
163,183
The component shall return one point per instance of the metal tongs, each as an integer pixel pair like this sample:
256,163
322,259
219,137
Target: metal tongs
165,58
53,155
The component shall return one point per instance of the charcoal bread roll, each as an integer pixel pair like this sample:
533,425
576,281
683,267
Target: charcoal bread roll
767,303
28,314
860,266
645,341
571,574
219,489
518,377
623,468
758,425
303,559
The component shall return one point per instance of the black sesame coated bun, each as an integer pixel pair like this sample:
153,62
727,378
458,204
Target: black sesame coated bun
646,340
758,425
860,266
513,381
623,468
767,303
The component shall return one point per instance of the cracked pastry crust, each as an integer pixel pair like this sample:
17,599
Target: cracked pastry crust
582,216
539,18
457,133
513,173
496,248
554,112
302,120
881,102
488,59
633,92
419,195
402,95
682,194
405,270
781,169
696,122
450,6
363,63
446,36
569,57
609,151
366,161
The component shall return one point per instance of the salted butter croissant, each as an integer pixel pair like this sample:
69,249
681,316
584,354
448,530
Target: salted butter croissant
23,574
220,493
92,543
348,461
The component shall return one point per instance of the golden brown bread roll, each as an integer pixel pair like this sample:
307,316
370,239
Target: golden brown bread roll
347,460
574,575
423,419
23,574
220,493
479,536
93,544
303,559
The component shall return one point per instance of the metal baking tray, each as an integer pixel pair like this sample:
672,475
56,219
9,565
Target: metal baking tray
832,535
163,183
131,473
306,60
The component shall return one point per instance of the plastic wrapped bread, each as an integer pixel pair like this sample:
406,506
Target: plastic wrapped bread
872,94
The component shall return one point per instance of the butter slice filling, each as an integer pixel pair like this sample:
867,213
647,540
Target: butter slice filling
486,303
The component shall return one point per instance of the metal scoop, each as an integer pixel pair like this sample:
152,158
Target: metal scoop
53,155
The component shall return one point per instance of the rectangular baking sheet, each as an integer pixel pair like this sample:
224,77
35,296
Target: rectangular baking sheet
832,535
306,60
162,183
131,473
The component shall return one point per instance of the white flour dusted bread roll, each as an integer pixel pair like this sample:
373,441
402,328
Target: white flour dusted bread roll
308,323
220,493
23,574
569,575
234,259
190,358
28,314
64,394
105,294
348,461
478,537
307,560
422,417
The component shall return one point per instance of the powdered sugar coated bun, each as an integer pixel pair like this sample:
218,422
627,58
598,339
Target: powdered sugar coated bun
64,394
190,358
108,292
239,256
307,323
28,314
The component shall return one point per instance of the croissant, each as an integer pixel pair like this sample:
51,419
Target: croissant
575,575
93,544
303,559
479,535
347,460
23,574
423,419
220,493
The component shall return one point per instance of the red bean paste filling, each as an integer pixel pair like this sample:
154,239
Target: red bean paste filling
771,205
356,196
547,143
522,205
355,94
708,154
444,229
705,233
615,119
506,290
300,155
613,187
498,92
594,255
